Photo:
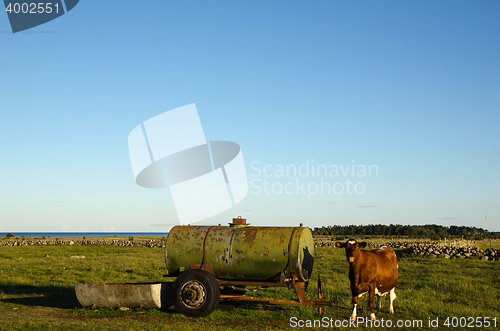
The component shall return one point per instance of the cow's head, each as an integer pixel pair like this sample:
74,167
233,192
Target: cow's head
351,249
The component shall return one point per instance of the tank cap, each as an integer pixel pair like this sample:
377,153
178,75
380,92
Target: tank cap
239,222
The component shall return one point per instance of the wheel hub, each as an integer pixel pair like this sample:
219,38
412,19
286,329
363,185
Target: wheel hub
193,294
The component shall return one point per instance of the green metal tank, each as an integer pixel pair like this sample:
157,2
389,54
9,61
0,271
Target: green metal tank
242,252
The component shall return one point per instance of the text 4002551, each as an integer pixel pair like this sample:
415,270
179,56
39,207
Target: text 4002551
470,322
32,8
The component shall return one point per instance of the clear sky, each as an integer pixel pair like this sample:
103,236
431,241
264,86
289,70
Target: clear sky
407,89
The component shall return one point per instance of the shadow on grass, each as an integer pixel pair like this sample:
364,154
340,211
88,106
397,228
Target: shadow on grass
45,296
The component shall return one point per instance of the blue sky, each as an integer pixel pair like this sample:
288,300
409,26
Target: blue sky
411,88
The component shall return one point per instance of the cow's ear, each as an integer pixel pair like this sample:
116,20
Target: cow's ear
339,244
363,244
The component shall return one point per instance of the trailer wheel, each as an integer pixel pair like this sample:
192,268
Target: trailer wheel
195,293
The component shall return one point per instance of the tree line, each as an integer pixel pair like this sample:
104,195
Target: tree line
431,231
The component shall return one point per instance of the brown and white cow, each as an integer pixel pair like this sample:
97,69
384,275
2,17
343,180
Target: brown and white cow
374,272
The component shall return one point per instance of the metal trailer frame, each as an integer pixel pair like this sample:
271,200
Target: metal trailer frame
291,283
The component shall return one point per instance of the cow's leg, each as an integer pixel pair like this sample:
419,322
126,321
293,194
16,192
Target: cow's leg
392,296
354,292
354,304
370,302
379,305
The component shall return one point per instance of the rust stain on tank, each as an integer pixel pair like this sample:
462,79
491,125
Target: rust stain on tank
250,234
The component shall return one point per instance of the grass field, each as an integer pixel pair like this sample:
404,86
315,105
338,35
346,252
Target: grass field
37,292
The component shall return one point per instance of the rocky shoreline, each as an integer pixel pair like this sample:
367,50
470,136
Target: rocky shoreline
81,242
452,249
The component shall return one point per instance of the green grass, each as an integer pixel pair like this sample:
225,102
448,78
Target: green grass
37,292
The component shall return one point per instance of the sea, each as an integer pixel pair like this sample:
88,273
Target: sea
84,234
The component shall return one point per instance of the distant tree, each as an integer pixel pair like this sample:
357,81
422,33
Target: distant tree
9,235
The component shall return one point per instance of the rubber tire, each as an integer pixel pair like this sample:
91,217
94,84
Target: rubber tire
211,297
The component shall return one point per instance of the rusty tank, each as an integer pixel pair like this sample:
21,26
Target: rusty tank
241,252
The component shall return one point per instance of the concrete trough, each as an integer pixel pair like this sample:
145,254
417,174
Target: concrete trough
144,295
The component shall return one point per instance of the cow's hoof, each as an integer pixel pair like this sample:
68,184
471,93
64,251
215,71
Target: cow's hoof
372,317
391,311
353,317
